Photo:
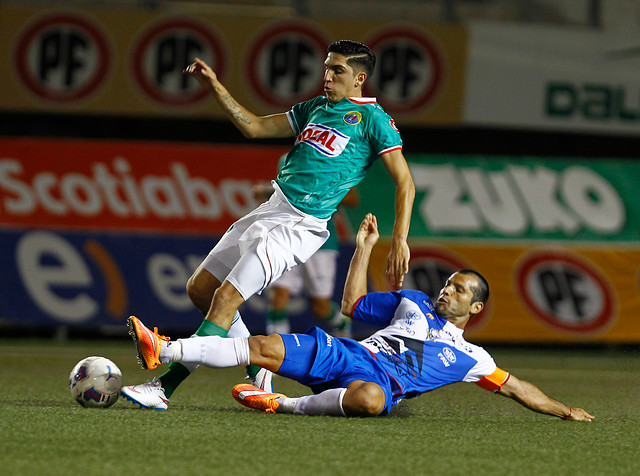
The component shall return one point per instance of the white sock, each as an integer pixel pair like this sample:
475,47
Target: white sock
215,351
238,327
191,366
171,352
328,402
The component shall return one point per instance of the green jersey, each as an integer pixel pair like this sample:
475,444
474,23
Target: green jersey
335,146
332,241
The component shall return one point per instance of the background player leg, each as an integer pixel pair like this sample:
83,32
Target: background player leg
277,320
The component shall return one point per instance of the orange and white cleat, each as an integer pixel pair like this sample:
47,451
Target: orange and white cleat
252,397
147,342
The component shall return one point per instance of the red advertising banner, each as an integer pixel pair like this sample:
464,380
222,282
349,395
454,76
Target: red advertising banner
142,186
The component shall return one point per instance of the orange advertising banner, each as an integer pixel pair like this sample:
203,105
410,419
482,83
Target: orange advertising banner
120,185
540,293
130,61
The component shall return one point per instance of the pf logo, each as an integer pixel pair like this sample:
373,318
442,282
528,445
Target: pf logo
286,64
162,52
565,291
409,70
62,58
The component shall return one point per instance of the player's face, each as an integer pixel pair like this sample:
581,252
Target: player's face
340,79
455,297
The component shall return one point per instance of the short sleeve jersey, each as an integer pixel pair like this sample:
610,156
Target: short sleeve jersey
335,146
419,350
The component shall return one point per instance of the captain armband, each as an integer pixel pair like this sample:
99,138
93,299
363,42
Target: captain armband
494,381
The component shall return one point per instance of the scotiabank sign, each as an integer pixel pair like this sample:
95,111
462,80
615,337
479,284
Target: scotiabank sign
93,231
129,185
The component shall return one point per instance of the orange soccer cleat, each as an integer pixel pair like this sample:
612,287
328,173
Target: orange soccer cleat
147,342
253,397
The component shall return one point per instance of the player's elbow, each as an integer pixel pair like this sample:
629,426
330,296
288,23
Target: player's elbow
350,301
346,306
250,134
259,128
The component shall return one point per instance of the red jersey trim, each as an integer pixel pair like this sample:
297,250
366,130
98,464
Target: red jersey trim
398,147
356,304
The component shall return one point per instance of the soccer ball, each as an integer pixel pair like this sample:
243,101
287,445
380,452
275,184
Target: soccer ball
95,382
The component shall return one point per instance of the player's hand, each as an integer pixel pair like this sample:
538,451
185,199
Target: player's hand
202,72
578,414
398,262
368,232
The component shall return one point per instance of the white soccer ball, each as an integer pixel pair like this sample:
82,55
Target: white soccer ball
95,382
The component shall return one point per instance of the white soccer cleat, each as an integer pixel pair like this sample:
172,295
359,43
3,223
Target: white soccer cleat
148,395
263,380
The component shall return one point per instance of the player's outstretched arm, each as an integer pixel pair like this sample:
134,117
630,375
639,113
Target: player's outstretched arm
398,260
535,399
251,126
355,285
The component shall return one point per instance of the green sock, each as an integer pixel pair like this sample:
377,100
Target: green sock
177,372
252,370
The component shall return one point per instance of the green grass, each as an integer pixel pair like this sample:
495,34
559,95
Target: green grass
456,430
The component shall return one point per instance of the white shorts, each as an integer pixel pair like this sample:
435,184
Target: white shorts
317,276
261,246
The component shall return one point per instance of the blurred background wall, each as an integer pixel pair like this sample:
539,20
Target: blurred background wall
519,118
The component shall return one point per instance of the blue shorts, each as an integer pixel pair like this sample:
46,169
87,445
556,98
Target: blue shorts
321,362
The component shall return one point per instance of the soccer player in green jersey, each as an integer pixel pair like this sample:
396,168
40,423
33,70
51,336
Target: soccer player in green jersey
338,136
315,278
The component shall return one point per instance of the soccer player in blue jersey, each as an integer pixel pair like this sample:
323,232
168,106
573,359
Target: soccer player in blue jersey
338,136
421,347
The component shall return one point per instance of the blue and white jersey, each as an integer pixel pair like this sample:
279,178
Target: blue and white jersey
419,350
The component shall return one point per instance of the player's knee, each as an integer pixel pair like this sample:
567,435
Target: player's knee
200,288
367,400
372,401
200,296
266,351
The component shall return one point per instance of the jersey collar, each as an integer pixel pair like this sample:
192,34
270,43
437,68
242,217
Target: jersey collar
363,100
453,329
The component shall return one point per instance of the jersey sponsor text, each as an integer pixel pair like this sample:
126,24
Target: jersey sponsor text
325,139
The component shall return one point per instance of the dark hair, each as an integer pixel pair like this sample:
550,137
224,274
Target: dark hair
358,55
481,291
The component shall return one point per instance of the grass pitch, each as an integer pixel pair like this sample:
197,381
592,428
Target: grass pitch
456,430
